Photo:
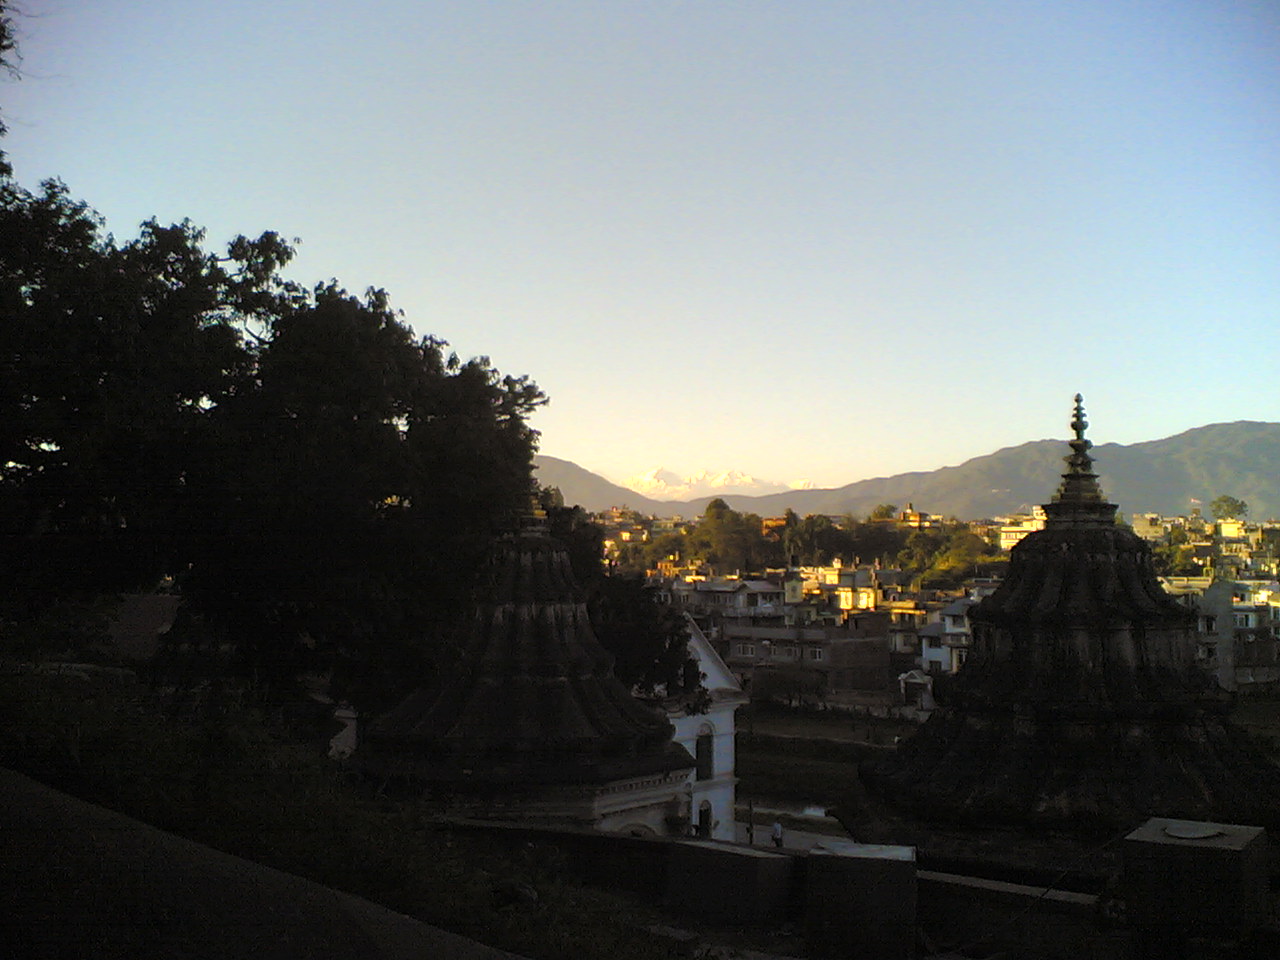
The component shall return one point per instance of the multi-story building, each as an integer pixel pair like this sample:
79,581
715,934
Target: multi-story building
1150,527
1015,528
730,597
944,641
918,519
849,663
1237,632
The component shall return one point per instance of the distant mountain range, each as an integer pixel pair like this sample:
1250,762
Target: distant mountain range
1168,476
664,484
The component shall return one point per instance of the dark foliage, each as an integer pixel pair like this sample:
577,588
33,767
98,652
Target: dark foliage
317,481
648,639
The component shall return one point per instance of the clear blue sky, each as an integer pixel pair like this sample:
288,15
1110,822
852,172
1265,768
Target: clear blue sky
825,239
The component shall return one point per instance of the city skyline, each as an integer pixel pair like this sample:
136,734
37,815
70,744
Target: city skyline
817,241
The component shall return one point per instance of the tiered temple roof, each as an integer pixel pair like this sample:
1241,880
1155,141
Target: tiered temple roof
532,701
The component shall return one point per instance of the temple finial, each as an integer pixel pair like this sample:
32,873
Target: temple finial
1079,424
1079,461
1079,498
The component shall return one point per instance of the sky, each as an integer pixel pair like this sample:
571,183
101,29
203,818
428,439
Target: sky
811,239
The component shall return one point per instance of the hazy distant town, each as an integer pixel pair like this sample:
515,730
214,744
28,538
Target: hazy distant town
867,612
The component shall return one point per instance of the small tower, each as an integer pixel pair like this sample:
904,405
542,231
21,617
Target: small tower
531,724
1080,705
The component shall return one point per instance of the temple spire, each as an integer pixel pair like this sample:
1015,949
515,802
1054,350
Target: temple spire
1079,424
1079,498
1081,705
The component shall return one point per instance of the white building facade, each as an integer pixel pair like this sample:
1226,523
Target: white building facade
709,739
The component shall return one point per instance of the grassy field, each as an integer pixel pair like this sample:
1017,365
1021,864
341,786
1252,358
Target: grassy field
766,776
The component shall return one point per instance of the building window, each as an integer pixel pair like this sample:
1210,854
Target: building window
705,751
705,822
746,649
817,653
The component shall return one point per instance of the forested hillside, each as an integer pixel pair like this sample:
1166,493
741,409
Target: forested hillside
1165,476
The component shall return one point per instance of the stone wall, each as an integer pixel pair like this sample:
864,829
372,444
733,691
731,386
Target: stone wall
743,885
848,899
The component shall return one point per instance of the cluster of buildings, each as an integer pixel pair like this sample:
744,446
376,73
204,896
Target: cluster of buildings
1230,577
535,728
1238,622
861,637
857,637
1230,547
1083,705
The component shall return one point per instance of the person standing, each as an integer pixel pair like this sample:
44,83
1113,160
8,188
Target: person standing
777,834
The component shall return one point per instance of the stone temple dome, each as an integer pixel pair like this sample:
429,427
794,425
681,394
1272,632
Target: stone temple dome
1081,704
532,716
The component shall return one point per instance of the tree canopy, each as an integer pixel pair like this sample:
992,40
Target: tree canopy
813,539
726,539
1228,508
316,479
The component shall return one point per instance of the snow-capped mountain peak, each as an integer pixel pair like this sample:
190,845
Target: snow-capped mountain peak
664,484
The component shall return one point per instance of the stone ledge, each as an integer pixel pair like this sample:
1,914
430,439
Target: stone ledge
1001,891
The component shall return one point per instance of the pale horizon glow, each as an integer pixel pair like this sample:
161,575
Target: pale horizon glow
831,240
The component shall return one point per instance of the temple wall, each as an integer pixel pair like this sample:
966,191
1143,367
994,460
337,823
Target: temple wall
642,804
714,787
750,886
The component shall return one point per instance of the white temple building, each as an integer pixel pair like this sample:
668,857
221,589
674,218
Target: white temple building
709,738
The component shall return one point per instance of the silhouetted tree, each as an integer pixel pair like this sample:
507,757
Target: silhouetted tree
8,63
114,358
649,640
730,541
320,482
359,484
